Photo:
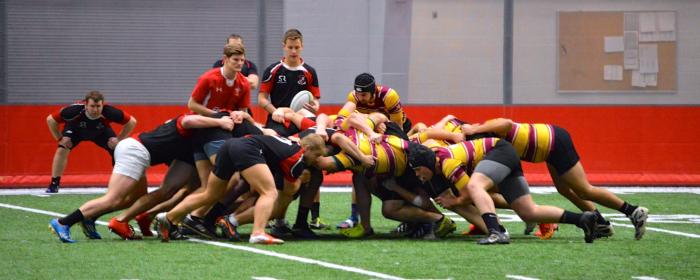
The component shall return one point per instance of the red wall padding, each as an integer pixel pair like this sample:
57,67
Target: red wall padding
621,145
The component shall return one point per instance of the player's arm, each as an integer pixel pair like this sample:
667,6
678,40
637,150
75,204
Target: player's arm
265,102
313,106
327,163
53,128
127,129
443,121
198,108
441,134
351,149
459,177
253,80
500,126
196,121
348,108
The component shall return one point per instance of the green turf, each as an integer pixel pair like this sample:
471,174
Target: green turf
31,252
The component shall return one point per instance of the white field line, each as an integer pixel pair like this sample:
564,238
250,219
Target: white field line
538,190
660,230
242,248
519,277
645,278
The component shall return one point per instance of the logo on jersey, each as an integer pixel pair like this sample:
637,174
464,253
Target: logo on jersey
281,79
219,89
100,126
83,125
302,80
237,91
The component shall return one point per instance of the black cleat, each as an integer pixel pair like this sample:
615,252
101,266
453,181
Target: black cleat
303,232
52,188
196,225
589,225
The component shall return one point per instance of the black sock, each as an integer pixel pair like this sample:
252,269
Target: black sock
600,218
353,212
72,218
56,181
627,208
216,211
302,215
570,218
315,210
491,221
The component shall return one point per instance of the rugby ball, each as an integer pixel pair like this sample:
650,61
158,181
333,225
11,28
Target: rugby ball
300,99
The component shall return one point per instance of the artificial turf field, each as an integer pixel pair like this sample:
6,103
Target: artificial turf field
669,250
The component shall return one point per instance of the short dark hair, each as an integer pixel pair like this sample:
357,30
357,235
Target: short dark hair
365,83
94,95
234,36
292,34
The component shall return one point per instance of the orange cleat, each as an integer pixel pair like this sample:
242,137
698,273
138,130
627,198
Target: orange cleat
144,221
123,229
473,230
264,238
546,231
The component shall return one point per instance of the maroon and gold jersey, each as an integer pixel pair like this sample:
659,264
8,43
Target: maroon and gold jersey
533,142
385,100
458,161
389,153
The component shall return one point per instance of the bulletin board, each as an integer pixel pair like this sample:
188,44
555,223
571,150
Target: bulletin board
582,56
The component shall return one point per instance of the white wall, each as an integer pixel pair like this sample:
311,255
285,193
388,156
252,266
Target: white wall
534,52
456,56
341,39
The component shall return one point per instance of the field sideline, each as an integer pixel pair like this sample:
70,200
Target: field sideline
668,251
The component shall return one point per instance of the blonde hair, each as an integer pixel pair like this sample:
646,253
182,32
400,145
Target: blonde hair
313,142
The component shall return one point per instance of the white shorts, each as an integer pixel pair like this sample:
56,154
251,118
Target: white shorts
131,158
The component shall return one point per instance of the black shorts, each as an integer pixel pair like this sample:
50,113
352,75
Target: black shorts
502,165
563,156
504,153
235,155
98,136
408,181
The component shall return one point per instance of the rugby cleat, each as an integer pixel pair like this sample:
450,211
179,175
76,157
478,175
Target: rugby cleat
164,227
356,232
196,225
604,230
404,229
52,188
317,223
280,230
123,229
89,229
349,223
546,231
303,232
444,227
639,220
144,221
589,225
265,239
473,230
494,237
229,230
63,232
529,228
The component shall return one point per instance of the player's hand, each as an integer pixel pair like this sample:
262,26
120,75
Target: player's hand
278,115
367,161
446,202
375,137
112,142
381,128
226,123
238,116
323,134
311,107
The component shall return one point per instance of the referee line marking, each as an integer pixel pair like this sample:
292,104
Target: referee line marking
660,230
520,277
241,248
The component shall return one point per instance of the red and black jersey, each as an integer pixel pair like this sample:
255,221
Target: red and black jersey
75,113
215,92
282,82
281,154
167,142
288,128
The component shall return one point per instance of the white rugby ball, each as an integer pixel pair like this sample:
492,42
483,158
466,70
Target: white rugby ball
300,99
